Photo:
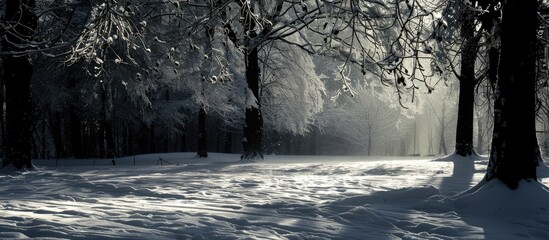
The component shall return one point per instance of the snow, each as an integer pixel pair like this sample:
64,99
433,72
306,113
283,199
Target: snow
251,100
282,197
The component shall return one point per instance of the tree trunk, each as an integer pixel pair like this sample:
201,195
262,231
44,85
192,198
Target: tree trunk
493,61
106,127
2,117
414,150
151,140
402,146
369,152
480,139
90,139
184,141
430,139
128,140
514,152
467,82
228,145
253,129
217,141
109,139
18,71
442,146
202,148
43,141
76,134
75,139
56,127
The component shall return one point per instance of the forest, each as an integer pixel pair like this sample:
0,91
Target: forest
274,119
115,78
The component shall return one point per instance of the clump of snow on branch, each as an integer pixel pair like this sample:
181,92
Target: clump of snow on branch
251,100
110,24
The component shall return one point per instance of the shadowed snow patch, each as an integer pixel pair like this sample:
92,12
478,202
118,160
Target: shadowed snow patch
494,198
404,194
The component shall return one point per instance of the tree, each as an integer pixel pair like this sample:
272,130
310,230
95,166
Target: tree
467,83
468,32
543,79
202,149
514,154
109,55
484,113
291,92
208,67
21,23
250,25
543,98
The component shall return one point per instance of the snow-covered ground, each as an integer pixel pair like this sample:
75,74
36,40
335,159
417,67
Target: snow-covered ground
282,197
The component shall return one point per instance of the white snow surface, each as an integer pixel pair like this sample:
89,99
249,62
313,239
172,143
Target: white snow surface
281,197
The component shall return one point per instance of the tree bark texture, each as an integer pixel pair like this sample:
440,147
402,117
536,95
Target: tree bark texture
18,71
514,152
467,82
253,129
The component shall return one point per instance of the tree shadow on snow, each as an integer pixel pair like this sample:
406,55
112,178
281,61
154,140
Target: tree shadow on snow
502,213
463,174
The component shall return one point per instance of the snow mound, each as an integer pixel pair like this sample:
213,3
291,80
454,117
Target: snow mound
456,157
494,198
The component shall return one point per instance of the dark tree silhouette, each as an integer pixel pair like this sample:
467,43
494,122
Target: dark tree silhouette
465,19
18,71
202,150
514,153
467,83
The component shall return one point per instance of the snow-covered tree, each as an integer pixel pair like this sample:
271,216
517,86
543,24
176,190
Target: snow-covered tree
291,92
250,25
57,28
